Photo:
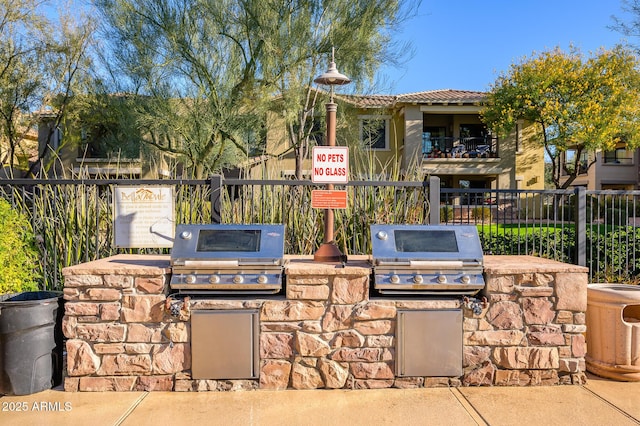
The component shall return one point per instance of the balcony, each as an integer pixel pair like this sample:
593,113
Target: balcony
467,147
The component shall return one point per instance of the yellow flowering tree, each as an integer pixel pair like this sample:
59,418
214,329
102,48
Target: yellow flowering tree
579,104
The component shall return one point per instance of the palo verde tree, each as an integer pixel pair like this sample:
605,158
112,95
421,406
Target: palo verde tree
40,64
300,36
194,68
630,24
580,104
210,70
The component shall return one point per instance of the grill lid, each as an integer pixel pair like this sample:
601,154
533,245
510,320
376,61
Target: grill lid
427,259
426,245
228,245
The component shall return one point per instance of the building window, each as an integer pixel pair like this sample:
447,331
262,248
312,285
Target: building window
570,162
374,131
618,156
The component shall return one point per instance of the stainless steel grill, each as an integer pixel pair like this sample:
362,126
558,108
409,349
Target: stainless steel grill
227,259
427,259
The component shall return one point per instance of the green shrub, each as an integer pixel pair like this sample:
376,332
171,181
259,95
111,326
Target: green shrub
481,213
446,214
617,217
608,251
562,212
18,256
628,206
551,244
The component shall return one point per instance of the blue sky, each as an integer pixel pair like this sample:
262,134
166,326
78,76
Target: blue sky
466,44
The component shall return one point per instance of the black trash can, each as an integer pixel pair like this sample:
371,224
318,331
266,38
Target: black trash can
30,342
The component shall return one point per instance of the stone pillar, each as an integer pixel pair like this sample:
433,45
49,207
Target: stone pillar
532,331
327,333
120,337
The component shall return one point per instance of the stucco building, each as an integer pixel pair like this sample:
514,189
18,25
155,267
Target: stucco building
432,133
615,169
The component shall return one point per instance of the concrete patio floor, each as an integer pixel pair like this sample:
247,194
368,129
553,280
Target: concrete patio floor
599,402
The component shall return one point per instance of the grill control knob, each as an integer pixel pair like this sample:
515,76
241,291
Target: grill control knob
238,279
442,279
394,279
262,279
465,279
185,235
418,279
381,235
214,279
190,279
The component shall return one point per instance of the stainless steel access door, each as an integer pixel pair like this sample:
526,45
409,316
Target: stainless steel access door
429,343
224,344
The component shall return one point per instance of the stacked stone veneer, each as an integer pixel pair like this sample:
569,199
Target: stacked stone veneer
328,332
119,336
532,331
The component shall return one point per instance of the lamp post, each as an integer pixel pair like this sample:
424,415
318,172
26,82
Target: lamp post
328,250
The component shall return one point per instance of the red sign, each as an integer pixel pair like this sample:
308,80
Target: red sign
325,199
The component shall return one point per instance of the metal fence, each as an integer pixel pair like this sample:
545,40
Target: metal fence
73,219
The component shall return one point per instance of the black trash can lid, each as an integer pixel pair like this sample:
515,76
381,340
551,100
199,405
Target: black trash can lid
29,296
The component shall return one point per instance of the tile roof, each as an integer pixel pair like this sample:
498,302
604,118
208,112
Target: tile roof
370,101
445,96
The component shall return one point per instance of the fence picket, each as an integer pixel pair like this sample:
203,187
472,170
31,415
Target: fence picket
72,219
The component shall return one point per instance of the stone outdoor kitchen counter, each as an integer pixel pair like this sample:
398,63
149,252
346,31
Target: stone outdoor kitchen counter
326,332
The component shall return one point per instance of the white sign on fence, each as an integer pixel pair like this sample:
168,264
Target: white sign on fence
330,164
143,217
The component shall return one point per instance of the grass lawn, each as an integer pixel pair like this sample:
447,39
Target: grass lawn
537,228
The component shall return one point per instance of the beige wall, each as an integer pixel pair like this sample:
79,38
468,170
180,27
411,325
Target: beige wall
528,172
618,175
610,176
281,162
413,136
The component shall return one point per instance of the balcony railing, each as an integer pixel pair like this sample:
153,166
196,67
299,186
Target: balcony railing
448,147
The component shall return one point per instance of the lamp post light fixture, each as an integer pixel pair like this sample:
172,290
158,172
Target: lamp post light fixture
328,250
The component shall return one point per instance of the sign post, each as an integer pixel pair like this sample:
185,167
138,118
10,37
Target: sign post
332,163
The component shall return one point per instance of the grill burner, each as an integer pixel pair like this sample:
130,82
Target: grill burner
228,259
427,259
